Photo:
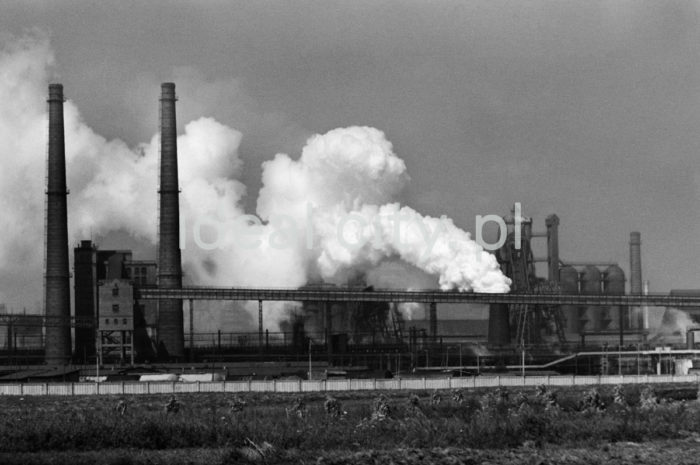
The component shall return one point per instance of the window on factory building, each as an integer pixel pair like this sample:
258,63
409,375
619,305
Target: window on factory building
143,271
115,291
115,308
124,321
116,322
106,321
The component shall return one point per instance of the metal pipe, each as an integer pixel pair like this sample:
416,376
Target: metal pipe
428,296
170,324
328,328
191,330
310,375
601,264
260,325
635,268
635,263
57,277
645,308
621,323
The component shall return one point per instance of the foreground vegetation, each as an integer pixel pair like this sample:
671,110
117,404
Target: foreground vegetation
349,428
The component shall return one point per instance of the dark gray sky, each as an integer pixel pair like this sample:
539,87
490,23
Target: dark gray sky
587,109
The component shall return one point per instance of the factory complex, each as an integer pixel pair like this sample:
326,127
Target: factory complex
133,317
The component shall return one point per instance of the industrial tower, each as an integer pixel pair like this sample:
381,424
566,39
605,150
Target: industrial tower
57,275
170,325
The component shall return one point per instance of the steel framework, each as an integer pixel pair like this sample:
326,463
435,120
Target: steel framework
46,321
349,295
422,296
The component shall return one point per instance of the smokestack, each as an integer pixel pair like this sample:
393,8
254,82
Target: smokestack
552,223
170,325
635,264
57,277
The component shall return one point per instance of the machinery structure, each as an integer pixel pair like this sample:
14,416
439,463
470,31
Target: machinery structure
541,323
518,263
115,323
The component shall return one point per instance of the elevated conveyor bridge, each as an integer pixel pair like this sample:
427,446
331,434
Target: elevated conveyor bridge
378,295
421,296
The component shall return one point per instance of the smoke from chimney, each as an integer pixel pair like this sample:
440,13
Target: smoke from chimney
347,171
672,327
57,277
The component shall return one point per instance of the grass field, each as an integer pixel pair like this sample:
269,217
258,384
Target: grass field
368,427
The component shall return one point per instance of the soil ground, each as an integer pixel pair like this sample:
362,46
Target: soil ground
676,452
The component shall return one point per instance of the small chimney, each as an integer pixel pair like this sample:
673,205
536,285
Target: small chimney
552,223
635,264
57,276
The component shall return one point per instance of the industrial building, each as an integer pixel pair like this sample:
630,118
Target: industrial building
532,325
129,311
95,270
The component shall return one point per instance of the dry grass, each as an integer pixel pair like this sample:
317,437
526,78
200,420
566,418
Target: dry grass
221,428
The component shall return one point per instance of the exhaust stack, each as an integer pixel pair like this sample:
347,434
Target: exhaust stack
635,264
552,222
170,325
57,277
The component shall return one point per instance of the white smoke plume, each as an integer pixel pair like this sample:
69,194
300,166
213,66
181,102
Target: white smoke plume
113,187
673,325
336,190
397,274
23,129
326,216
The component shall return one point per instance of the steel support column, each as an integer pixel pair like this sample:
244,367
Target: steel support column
260,325
328,320
191,330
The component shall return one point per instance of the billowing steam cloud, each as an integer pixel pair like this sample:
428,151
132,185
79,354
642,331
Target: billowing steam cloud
673,324
326,216
337,188
112,186
23,134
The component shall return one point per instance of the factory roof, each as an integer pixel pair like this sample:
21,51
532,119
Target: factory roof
41,375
